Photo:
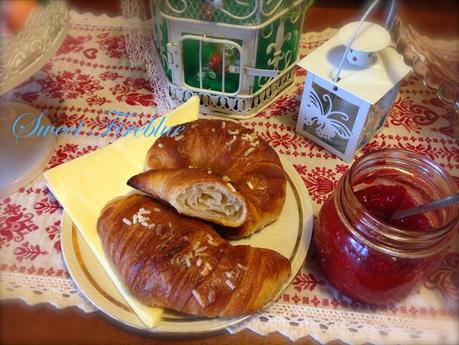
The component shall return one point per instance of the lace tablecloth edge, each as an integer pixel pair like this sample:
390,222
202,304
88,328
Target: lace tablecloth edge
352,327
35,289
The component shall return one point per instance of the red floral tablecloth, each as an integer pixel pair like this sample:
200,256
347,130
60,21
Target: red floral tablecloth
91,76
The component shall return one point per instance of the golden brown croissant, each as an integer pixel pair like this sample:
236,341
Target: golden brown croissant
175,262
229,151
195,192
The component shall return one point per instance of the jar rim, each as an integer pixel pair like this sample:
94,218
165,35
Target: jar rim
423,239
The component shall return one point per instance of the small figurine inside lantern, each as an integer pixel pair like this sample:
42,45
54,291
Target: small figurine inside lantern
351,83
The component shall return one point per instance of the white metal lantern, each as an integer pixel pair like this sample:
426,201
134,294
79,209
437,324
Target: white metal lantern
351,83
237,55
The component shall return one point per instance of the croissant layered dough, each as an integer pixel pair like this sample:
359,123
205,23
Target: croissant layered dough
236,155
171,261
203,198
195,192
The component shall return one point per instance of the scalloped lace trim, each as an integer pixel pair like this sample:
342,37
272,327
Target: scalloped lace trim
33,289
325,325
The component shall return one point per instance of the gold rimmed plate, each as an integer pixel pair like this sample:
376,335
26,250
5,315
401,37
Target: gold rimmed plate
290,235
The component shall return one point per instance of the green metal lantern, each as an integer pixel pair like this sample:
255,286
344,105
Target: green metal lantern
237,55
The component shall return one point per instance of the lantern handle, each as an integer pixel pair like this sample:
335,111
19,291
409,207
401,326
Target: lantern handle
389,20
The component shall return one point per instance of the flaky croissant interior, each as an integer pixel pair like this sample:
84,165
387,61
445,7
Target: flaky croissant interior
211,201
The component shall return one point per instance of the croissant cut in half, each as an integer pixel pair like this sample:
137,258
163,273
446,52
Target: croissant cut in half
195,192
217,171
172,261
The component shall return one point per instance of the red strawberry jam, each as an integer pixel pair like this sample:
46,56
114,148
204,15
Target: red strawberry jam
362,251
384,200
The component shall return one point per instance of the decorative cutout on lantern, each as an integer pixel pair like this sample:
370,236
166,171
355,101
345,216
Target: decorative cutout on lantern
330,123
351,83
322,119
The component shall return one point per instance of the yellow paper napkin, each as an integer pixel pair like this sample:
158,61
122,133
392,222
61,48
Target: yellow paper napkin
84,185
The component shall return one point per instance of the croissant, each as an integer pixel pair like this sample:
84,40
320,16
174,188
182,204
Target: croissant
171,261
195,192
254,191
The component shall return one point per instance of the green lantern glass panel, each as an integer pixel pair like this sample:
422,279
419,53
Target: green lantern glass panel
206,64
277,46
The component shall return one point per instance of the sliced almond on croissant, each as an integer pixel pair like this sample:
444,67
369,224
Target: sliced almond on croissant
195,192
180,263
236,154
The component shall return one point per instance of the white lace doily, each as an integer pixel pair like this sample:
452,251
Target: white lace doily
35,289
139,47
325,325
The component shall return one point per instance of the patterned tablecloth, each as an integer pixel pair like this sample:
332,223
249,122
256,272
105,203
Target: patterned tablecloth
91,75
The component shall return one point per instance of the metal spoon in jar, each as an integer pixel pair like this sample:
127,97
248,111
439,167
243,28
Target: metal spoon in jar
443,202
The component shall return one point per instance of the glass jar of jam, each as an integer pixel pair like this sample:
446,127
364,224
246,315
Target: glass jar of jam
362,251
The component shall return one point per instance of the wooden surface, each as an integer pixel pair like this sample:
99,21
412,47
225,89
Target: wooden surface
43,324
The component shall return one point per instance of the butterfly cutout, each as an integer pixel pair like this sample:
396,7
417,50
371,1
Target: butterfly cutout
329,123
